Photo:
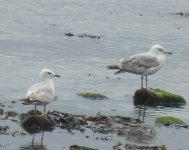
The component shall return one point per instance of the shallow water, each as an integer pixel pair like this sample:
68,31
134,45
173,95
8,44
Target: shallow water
32,38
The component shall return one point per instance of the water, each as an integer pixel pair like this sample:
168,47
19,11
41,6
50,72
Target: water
32,38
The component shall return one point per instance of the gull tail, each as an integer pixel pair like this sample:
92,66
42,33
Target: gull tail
120,71
113,67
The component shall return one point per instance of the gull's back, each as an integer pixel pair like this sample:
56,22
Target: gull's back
142,64
42,91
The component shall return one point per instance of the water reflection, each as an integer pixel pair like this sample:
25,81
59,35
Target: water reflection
35,145
141,112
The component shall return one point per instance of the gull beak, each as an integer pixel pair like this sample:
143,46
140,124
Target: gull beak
56,75
168,51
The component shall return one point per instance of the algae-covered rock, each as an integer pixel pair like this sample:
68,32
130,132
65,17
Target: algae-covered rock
167,121
94,96
157,97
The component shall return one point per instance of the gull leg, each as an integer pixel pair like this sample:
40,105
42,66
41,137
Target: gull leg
33,139
35,107
42,139
141,81
146,82
44,109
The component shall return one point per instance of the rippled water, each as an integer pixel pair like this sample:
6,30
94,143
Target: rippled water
32,37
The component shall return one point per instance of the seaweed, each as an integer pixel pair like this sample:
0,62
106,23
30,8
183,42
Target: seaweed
93,96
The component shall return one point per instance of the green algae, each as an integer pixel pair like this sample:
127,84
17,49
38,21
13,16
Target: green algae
169,120
158,97
94,96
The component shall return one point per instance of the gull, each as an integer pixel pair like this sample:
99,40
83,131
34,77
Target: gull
43,92
143,64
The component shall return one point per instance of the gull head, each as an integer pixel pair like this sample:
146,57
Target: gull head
158,49
47,74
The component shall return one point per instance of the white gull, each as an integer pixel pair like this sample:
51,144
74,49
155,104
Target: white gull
43,92
143,64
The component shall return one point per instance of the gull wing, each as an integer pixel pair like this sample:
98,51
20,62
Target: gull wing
145,60
39,92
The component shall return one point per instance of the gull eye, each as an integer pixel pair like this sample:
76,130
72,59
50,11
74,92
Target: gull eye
49,73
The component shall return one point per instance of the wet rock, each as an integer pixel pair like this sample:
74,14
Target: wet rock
141,134
2,105
157,97
77,147
144,147
117,146
1,111
184,14
93,96
11,113
3,129
90,36
34,124
106,125
34,112
68,34
13,101
67,121
84,35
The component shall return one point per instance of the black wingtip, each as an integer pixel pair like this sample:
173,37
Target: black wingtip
119,71
113,67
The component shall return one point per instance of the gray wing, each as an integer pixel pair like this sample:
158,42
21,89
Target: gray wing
145,60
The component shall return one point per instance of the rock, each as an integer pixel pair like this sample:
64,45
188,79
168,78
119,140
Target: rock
68,34
13,101
117,146
185,14
77,147
90,36
11,113
34,124
157,97
145,147
1,111
3,129
34,112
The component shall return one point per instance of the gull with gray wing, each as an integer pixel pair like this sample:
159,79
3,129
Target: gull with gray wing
143,64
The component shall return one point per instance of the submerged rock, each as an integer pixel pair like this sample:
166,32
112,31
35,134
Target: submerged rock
84,35
77,147
185,14
90,36
93,96
157,97
69,34
145,147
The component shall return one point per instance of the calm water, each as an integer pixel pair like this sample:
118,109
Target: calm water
32,38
